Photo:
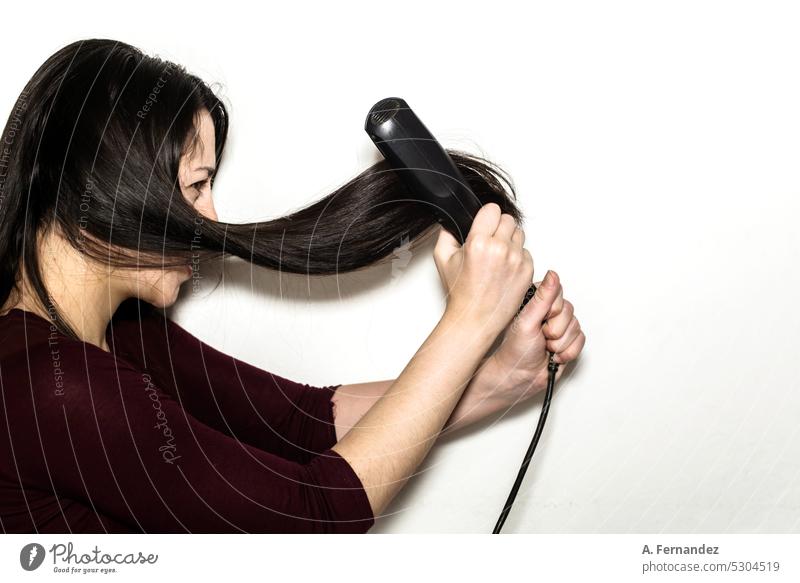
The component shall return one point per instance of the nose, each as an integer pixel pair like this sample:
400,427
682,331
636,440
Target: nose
208,210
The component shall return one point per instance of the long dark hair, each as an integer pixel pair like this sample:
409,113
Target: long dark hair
93,146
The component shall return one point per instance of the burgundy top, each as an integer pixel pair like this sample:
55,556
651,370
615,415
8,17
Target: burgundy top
163,434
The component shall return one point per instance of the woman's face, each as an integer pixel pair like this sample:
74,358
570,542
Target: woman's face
160,286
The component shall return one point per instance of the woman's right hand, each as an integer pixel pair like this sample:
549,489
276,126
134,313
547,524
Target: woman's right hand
488,276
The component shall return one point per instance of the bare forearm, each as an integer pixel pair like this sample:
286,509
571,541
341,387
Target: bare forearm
351,402
391,439
478,401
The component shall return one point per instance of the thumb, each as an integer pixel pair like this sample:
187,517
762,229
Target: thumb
446,246
538,307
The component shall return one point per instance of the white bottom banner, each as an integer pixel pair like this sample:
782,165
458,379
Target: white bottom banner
388,558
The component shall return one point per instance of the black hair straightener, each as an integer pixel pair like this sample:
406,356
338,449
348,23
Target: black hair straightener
433,178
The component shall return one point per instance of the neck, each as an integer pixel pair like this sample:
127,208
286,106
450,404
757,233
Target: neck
82,292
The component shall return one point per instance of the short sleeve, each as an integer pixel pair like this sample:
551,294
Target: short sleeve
291,419
113,438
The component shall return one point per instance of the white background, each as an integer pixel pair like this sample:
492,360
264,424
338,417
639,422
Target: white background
655,150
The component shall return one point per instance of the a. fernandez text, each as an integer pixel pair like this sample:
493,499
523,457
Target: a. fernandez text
664,550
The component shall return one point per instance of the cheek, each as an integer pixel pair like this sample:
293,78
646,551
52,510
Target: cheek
151,283
150,278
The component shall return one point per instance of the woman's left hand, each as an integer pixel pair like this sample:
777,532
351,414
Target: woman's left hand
517,370
520,362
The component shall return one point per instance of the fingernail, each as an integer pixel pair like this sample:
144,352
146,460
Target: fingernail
550,279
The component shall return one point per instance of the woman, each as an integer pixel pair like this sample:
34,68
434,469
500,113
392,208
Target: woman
116,419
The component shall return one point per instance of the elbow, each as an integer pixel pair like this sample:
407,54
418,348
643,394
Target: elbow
335,497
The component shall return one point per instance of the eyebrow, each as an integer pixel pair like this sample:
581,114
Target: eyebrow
211,170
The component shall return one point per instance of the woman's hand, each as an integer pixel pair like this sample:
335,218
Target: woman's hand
523,355
517,370
488,276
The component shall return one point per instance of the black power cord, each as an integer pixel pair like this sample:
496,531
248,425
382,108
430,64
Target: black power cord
552,367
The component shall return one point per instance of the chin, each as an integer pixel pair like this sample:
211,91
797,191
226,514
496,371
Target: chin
165,297
160,301
165,291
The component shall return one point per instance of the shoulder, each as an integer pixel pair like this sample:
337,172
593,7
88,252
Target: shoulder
144,335
65,375
143,320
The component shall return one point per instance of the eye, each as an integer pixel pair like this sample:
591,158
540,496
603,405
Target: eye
198,187
209,181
